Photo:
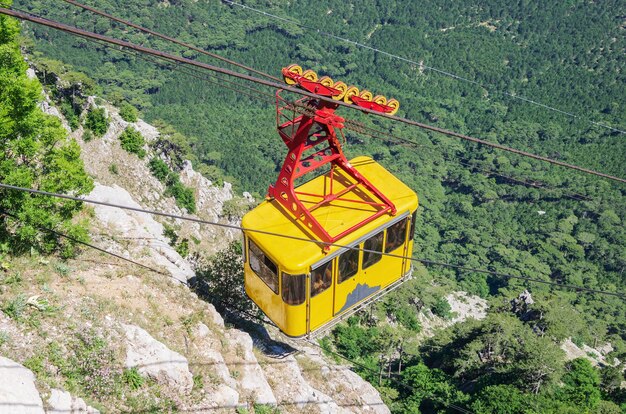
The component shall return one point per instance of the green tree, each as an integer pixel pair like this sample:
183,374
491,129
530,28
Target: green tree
35,152
429,390
442,308
581,384
500,399
184,195
220,280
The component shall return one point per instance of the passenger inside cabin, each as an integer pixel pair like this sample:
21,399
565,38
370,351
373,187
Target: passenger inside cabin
321,279
318,284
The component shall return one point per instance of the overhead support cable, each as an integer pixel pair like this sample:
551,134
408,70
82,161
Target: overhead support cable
171,39
84,243
272,84
421,64
350,125
303,239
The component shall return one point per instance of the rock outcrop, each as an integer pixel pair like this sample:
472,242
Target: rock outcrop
18,394
462,306
251,379
597,356
152,358
62,402
138,226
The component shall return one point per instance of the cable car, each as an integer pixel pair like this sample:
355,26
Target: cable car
313,251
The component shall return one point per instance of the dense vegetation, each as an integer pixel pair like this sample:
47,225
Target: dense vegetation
35,152
473,212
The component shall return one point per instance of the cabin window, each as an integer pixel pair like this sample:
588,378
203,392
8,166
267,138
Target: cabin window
375,244
348,264
263,266
321,278
413,219
395,236
293,288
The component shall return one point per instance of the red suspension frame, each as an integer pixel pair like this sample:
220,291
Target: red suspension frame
312,143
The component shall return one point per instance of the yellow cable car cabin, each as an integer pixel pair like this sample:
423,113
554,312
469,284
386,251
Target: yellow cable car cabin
316,252
303,287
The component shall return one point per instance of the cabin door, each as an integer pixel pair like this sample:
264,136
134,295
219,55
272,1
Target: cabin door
321,295
347,280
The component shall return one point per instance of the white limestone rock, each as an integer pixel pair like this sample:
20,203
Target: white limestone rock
251,379
354,393
18,394
136,225
209,198
30,73
154,359
465,306
149,132
62,402
223,398
293,390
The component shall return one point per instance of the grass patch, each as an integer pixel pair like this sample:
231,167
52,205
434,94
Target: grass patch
15,308
133,378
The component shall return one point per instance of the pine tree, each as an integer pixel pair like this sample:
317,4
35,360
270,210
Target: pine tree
35,152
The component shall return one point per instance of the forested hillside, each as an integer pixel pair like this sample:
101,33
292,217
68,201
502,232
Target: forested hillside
477,208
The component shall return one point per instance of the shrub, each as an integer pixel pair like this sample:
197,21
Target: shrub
133,142
265,409
442,308
87,135
128,112
220,280
198,382
184,196
182,248
70,115
159,169
97,121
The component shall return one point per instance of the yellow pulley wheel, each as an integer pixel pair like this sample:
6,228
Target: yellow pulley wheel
293,69
342,88
352,91
379,99
394,104
367,95
310,75
326,81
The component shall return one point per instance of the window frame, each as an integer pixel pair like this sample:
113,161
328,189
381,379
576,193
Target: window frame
326,282
366,262
356,250
263,265
297,279
404,222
